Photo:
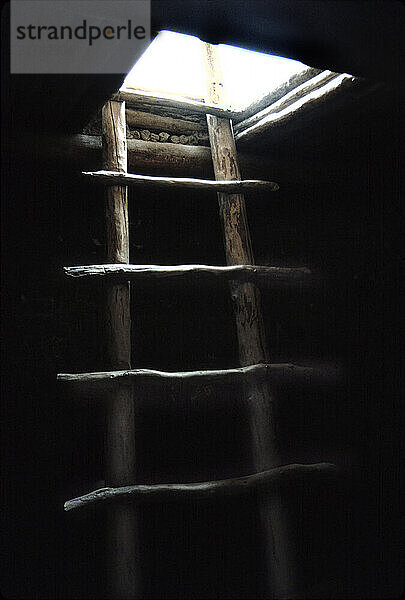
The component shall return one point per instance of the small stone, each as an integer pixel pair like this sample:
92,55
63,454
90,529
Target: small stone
183,139
163,136
175,139
136,135
154,137
145,134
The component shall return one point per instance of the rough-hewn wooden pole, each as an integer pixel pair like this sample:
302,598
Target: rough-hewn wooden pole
123,580
251,333
263,482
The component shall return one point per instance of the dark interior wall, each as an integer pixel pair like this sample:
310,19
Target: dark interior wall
346,532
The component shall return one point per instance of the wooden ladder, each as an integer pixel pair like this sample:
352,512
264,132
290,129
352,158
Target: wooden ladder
254,373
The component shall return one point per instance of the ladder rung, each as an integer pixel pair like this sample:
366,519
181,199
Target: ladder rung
273,371
251,273
231,187
166,492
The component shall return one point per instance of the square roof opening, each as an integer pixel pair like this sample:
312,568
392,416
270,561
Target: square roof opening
172,65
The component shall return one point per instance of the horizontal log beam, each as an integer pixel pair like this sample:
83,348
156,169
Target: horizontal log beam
295,94
167,105
83,152
162,158
164,102
279,372
298,109
284,88
252,273
169,492
231,187
169,159
146,120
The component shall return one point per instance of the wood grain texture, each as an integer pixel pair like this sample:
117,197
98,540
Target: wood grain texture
167,183
302,107
279,572
165,104
83,152
281,371
288,99
206,490
123,578
264,275
274,95
142,119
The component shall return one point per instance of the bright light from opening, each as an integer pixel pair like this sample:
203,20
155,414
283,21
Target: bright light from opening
173,65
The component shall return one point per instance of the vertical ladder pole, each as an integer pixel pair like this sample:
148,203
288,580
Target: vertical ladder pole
123,581
251,334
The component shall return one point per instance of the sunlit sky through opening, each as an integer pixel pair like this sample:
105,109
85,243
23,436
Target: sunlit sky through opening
173,64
